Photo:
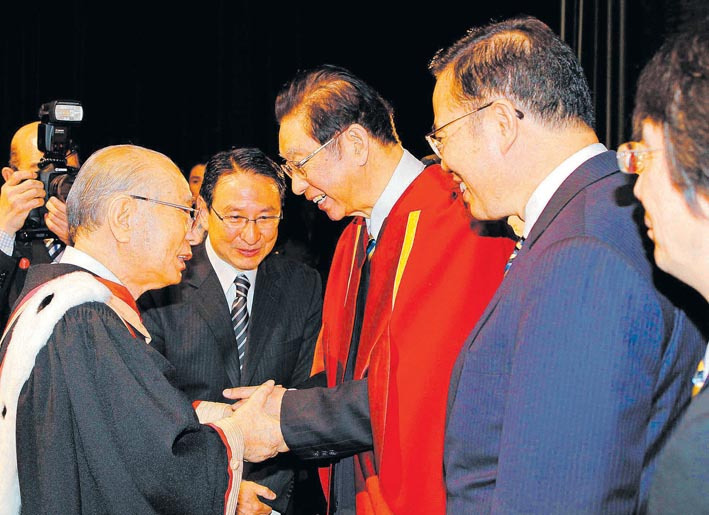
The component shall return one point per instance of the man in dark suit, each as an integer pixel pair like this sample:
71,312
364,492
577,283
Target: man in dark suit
670,154
581,364
191,323
20,193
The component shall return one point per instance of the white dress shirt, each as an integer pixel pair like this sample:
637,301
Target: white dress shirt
404,174
546,189
72,256
226,273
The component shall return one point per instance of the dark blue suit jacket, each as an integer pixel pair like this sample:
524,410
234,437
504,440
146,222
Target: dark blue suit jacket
567,387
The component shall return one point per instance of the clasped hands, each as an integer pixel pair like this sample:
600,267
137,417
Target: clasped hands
259,413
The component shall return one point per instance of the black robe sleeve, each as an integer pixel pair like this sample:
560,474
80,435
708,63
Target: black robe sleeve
101,430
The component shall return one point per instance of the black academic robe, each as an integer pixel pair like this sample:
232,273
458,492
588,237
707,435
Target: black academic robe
101,429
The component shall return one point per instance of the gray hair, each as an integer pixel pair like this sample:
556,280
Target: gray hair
108,172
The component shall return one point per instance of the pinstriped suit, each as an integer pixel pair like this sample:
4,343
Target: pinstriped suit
191,325
577,371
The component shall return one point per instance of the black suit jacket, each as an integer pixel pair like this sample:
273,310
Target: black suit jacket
12,277
191,325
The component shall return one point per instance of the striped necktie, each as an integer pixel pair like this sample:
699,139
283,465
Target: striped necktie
54,247
518,247
700,377
371,245
240,316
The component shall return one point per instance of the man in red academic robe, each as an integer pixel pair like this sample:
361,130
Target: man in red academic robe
409,278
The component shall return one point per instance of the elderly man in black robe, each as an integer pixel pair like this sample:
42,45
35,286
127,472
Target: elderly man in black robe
90,421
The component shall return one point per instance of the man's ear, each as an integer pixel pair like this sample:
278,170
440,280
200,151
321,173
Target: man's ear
6,172
120,217
201,205
202,211
358,138
507,122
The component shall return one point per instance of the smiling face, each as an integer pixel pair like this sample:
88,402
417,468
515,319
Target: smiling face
251,196
330,176
675,229
468,152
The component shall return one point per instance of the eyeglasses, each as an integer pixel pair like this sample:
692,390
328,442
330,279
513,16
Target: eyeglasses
265,224
437,144
191,212
291,168
633,157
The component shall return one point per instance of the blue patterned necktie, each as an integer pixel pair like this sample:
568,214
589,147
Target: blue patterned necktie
700,377
371,245
518,247
240,316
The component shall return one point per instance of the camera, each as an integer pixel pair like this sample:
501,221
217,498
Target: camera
55,141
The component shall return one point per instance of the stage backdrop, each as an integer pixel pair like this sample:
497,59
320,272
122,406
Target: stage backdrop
190,81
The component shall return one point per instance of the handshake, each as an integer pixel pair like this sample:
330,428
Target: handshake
258,414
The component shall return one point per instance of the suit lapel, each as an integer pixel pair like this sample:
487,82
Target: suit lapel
265,313
209,302
591,171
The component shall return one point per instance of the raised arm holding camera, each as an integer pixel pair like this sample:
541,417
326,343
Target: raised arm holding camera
33,223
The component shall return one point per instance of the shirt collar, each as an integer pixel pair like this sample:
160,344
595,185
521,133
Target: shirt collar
226,273
404,174
73,256
546,189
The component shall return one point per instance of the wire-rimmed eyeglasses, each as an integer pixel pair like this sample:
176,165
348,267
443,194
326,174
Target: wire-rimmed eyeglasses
291,168
265,224
633,157
437,144
191,212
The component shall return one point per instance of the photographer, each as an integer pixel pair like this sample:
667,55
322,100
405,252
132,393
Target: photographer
21,193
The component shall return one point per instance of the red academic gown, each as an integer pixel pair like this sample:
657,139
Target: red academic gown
431,276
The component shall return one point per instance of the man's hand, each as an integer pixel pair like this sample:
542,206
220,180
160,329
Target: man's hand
56,219
18,196
249,503
262,433
272,405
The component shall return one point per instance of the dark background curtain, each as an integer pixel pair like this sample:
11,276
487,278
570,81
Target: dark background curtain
190,81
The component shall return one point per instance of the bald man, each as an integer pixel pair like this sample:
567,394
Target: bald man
21,193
